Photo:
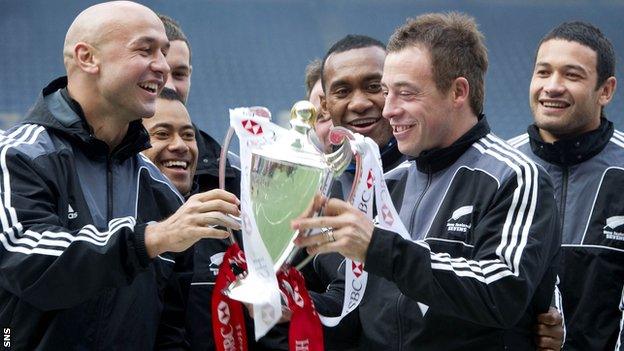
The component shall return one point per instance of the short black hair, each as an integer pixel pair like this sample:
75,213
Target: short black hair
349,42
174,31
170,94
588,35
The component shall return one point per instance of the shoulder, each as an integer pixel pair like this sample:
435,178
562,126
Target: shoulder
504,162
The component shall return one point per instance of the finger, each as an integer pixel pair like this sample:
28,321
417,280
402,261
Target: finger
318,222
336,207
334,246
552,317
311,240
215,194
215,205
546,342
550,331
209,232
317,203
220,219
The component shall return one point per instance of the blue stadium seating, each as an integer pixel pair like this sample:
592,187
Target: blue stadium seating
253,52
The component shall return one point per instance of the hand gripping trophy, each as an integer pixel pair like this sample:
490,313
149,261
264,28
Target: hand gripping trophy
281,172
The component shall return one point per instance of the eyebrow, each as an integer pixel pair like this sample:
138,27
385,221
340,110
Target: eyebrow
402,84
343,81
568,66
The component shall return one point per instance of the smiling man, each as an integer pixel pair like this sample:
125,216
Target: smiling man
482,235
572,82
352,95
174,148
87,222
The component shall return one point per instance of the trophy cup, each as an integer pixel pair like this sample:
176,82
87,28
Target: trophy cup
286,170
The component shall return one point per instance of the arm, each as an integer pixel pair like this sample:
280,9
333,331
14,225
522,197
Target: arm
517,240
52,267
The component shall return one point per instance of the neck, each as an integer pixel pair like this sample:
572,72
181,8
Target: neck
463,123
106,125
551,137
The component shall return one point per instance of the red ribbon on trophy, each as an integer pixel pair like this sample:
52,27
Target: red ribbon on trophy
228,320
305,332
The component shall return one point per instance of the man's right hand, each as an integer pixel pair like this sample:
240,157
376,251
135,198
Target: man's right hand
195,220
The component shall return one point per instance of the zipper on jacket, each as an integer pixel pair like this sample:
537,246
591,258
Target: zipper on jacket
564,193
413,216
109,188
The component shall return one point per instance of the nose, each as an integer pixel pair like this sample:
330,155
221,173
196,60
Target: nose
554,85
391,108
159,64
177,144
360,102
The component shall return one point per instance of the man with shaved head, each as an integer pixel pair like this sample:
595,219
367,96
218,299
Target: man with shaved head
84,245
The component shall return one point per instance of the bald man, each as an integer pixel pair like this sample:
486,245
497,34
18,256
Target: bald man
84,248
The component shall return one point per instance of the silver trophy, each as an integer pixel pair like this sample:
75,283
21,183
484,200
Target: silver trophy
287,170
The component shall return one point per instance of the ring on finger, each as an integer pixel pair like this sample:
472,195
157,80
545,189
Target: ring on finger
330,235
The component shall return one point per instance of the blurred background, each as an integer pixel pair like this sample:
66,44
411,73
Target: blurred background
254,52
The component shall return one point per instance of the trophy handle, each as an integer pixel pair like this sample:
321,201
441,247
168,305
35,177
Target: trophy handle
258,111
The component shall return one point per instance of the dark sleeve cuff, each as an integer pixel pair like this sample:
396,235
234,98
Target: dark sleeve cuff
139,245
379,257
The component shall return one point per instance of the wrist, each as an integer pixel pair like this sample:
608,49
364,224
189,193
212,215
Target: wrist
152,240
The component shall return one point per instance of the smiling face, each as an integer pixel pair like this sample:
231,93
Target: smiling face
421,116
174,148
132,66
179,60
563,95
353,96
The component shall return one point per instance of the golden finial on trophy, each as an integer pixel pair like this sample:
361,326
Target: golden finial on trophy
304,113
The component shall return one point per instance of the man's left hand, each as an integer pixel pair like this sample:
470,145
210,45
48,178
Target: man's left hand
549,330
351,233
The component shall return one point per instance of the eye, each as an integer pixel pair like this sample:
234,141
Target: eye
573,76
180,75
374,87
542,73
341,92
188,136
384,93
161,134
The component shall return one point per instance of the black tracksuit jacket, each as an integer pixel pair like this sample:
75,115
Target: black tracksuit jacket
588,174
74,271
486,243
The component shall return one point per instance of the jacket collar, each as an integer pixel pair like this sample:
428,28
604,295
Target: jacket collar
431,161
572,151
56,110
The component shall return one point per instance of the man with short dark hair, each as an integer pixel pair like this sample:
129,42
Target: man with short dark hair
478,260
87,221
573,80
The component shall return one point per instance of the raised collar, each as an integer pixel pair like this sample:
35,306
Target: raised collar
431,161
55,109
572,151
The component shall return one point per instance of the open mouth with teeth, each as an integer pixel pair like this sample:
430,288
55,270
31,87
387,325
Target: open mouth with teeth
401,128
554,104
178,165
151,87
364,122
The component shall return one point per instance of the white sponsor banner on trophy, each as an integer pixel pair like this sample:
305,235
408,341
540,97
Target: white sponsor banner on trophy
368,180
260,287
